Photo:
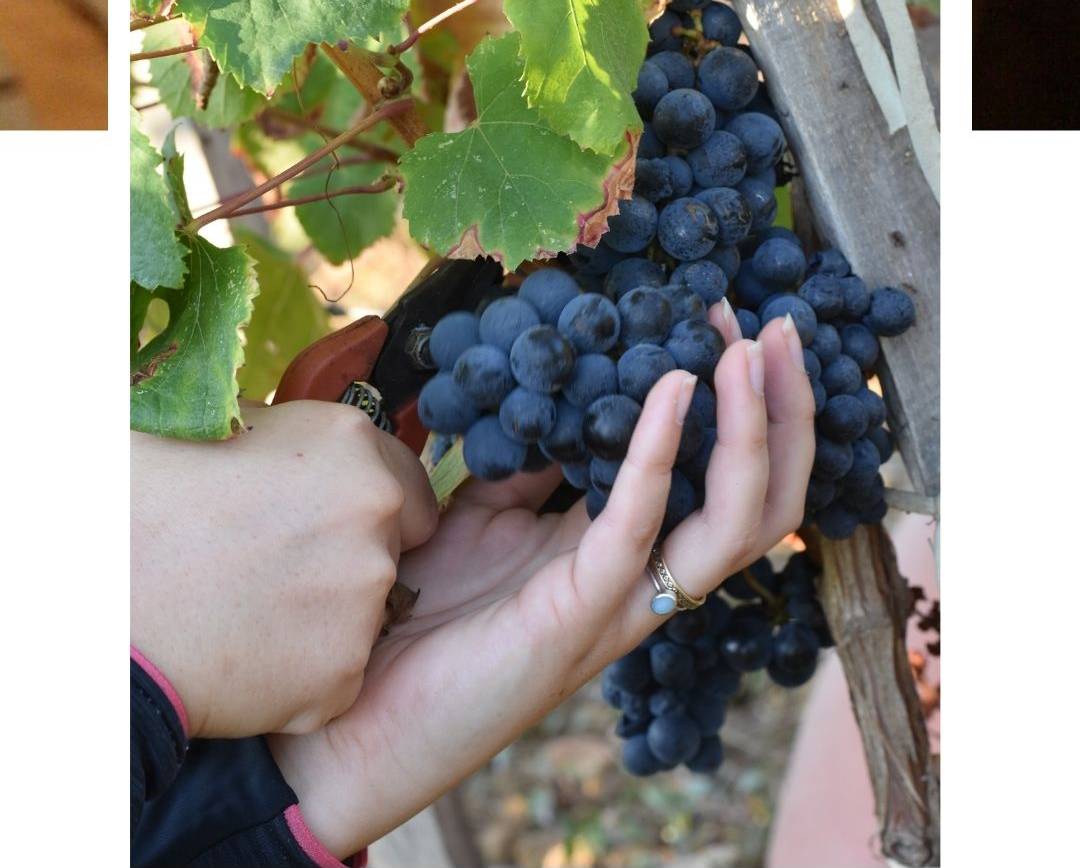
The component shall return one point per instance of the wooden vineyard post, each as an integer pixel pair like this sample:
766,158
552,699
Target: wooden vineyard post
869,197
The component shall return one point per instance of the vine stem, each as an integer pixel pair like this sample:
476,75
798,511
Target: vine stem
429,25
164,52
378,187
763,592
375,152
143,23
391,109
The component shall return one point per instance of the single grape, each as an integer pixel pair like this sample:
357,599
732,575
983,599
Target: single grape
526,416
673,738
749,325
489,453
676,66
747,645
821,397
728,77
832,460
720,161
825,294
801,313
882,441
761,136
577,474
685,303
633,227
503,320
826,343
859,497
731,210
444,406
629,726
682,176
844,419
750,292
779,263
591,323
696,347
632,273
865,464
548,290
594,375
631,673
811,364
652,180
836,521
829,261
794,656
661,37
652,84
637,757
608,425
667,701
649,145
705,278
819,494
856,297
683,118
483,373
703,403
687,228
762,200
721,24
452,335
602,474
710,755
640,367
707,710
595,501
541,359
565,442
672,665
842,376
593,261
646,317
727,258
892,312
696,467
861,344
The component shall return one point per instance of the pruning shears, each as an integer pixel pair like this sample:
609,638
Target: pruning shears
379,364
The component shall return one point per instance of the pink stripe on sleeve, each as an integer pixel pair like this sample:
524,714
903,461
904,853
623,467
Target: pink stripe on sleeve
163,683
311,845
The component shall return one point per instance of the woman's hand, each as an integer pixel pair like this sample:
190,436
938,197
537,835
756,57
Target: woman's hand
260,566
517,611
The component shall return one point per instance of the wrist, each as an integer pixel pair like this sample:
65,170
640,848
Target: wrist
166,687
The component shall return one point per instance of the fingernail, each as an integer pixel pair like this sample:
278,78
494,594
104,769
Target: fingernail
686,395
729,318
755,363
794,343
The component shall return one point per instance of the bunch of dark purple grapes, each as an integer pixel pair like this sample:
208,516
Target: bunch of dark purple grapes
700,224
674,688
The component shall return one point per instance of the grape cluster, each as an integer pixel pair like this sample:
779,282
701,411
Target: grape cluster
554,374
700,223
674,688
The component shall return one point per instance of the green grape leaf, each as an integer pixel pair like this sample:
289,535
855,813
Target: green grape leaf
157,256
184,381
287,317
145,8
140,301
257,40
342,227
174,177
229,102
581,64
508,186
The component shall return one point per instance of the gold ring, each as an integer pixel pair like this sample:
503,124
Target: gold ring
670,596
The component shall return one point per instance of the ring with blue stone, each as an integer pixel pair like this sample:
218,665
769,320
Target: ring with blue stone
670,596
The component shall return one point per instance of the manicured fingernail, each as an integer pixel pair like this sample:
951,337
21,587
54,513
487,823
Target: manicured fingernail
686,394
794,343
755,363
729,319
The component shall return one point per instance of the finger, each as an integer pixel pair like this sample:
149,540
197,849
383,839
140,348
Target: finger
710,543
789,404
723,320
528,490
419,514
614,549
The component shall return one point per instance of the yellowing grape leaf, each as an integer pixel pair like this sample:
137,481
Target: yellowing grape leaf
508,186
581,65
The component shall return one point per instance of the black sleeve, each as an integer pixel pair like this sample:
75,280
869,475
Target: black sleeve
157,742
229,807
